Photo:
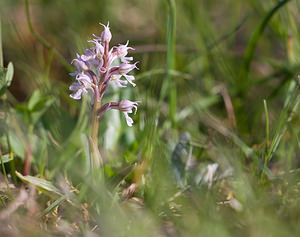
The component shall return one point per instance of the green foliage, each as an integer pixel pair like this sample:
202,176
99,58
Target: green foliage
6,158
41,184
6,76
215,143
37,105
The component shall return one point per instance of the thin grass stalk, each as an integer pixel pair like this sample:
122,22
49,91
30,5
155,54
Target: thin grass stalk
267,127
44,42
251,46
4,171
28,153
1,50
266,141
171,40
169,84
55,204
284,118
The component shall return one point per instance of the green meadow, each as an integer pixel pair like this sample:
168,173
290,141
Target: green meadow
213,149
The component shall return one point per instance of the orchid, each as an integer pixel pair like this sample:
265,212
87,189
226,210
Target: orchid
96,68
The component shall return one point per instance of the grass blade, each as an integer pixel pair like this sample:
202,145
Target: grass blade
249,53
53,205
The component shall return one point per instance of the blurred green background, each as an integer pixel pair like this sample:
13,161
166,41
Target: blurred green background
221,90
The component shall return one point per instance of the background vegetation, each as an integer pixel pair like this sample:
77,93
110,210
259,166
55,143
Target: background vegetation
214,150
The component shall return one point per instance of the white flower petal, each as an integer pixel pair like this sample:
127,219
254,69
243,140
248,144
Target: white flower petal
129,120
130,79
76,95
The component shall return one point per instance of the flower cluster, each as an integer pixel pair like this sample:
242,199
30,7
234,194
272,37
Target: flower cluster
95,70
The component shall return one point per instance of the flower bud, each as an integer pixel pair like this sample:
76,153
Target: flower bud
106,34
127,106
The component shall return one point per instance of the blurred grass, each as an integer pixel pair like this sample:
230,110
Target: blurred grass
191,56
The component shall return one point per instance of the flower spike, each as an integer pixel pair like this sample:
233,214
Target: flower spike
97,67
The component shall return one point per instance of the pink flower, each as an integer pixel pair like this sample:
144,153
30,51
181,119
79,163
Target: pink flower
98,49
88,56
125,106
124,68
122,51
83,83
121,71
80,63
117,80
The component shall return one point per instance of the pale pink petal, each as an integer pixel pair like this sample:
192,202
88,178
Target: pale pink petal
130,79
129,120
75,86
76,95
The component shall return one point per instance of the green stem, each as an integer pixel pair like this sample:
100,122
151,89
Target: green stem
267,127
4,171
44,42
28,153
1,51
95,154
12,163
263,178
171,40
169,84
289,109
248,56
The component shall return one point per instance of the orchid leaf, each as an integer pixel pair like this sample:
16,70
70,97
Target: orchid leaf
41,184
